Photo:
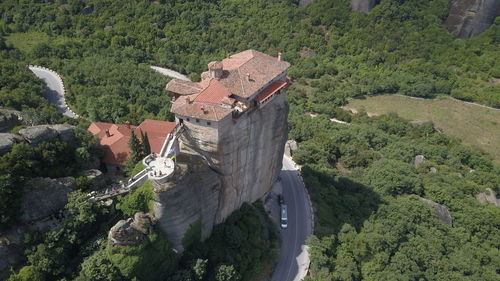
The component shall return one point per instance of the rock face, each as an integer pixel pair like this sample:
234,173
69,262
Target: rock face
131,232
419,159
193,194
468,18
9,119
246,152
305,3
442,211
238,161
7,141
10,256
38,134
44,197
488,196
290,147
363,5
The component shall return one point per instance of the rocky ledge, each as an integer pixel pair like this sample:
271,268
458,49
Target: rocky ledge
131,232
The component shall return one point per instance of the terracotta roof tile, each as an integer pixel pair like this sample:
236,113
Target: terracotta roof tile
116,143
243,75
213,94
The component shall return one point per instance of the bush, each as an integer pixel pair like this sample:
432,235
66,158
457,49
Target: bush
138,200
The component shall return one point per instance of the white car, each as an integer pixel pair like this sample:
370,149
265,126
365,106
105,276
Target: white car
284,216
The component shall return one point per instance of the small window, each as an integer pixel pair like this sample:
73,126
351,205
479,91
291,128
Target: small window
209,123
197,120
181,120
187,119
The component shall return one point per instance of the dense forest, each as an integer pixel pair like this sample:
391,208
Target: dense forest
371,222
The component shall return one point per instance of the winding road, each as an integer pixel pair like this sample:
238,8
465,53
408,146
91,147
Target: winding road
170,73
294,257
54,89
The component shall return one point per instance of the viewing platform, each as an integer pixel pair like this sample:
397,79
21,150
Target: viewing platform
159,168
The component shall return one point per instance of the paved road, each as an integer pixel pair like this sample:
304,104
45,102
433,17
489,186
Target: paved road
54,90
294,259
170,73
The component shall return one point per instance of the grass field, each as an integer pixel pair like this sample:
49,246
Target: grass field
477,126
26,41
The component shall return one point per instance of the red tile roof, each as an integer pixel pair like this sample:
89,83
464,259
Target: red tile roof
270,90
116,141
213,94
243,75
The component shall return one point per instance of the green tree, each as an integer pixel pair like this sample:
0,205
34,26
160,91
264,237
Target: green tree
98,267
226,273
200,268
146,148
28,273
392,177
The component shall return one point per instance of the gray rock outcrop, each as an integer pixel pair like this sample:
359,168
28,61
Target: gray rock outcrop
363,5
246,152
290,147
131,232
9,119
223,168
488,196
192,194
7,141
44,197
10,256
305,3
38,134
468,18
419,160
442,212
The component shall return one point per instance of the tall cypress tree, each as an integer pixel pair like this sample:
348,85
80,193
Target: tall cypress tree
135,148
146,148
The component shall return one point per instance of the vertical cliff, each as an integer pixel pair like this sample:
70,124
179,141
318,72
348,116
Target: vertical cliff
468,18
221,169
191,196
363,5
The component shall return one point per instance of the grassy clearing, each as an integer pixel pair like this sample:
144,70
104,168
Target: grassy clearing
475,125
26,41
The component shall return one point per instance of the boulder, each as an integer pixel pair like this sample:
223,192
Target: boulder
97,177
38,134
10,256
131,232
66,132
468,18
363,5
143,222
86,10
44,197
7,141
305,3
419,159
442,212
9,119
488,196
290,147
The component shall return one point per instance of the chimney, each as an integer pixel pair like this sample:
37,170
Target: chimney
108,134
279,56
215,69
188,100
248,77
127,123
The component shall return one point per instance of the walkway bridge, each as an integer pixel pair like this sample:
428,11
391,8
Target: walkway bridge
159,168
